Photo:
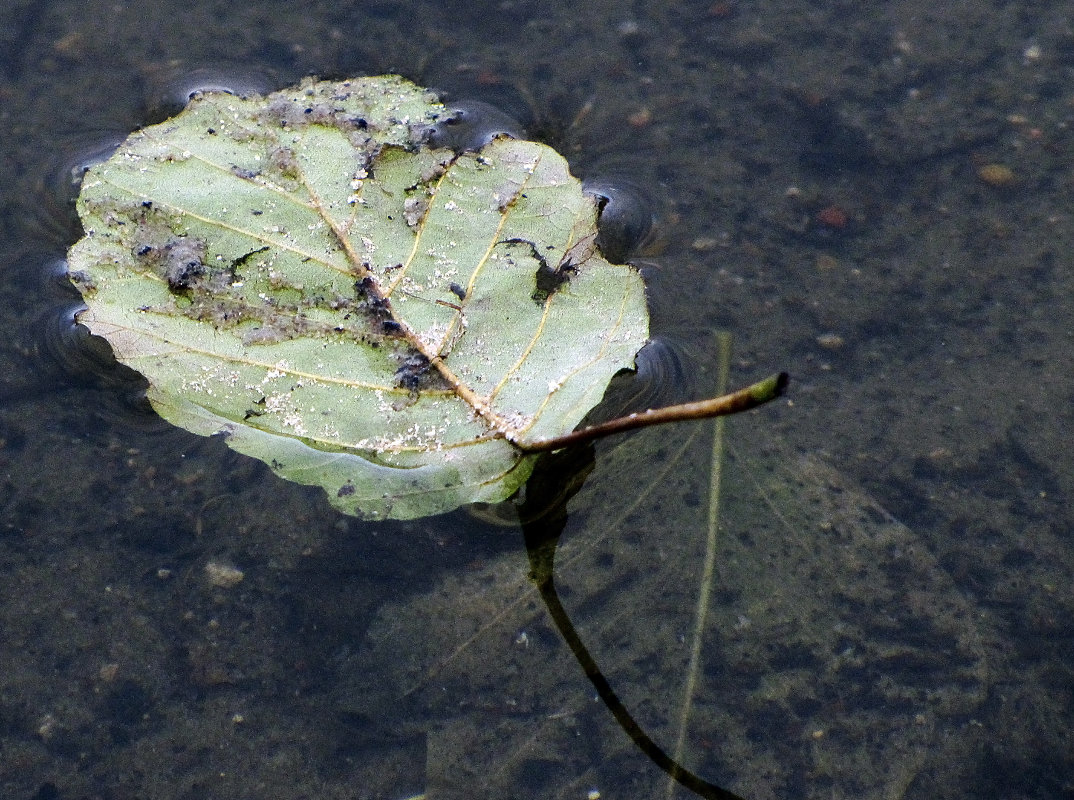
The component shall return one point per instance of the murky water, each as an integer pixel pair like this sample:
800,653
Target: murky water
891,605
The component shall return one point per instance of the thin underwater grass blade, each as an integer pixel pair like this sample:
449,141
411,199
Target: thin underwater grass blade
704,592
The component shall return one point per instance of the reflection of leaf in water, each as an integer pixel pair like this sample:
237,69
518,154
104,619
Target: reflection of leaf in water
836,653
846,651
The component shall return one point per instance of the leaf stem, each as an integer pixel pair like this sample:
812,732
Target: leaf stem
754,395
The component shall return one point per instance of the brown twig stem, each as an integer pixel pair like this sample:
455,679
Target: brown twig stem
742,400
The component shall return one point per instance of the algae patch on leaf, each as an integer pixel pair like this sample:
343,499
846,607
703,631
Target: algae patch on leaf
305,275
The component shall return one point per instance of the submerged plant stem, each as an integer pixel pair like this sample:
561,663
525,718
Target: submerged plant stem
754,395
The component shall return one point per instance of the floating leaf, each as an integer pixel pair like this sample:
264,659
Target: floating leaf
402,325
301,274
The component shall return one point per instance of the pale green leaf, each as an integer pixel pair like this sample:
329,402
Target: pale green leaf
304,275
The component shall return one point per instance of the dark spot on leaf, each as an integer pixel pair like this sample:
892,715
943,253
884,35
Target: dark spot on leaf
241,260
409,380
548,278
413,370
180,261
378,306
547,282
285,161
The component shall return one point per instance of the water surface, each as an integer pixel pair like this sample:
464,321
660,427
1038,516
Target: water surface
891,607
